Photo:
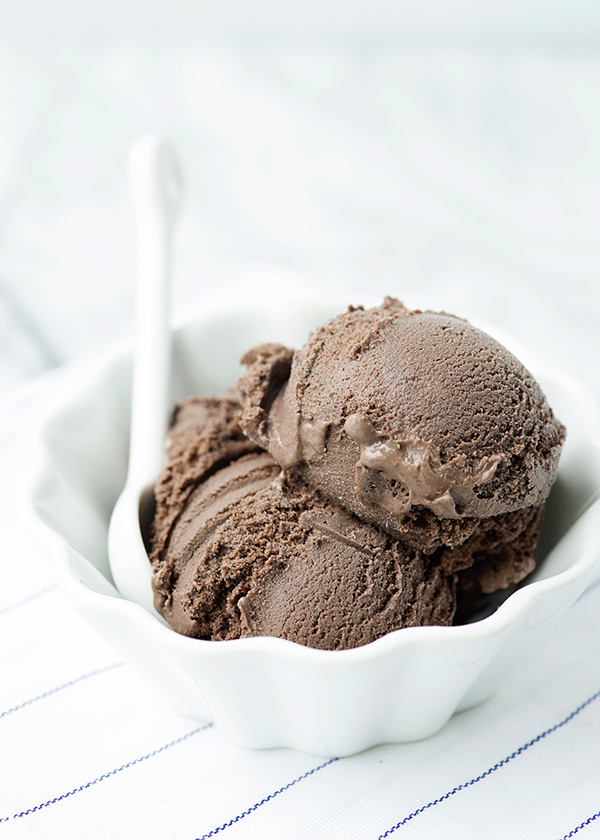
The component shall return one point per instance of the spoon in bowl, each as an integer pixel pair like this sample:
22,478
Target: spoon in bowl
156,185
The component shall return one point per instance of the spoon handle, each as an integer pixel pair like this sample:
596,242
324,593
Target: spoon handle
156,186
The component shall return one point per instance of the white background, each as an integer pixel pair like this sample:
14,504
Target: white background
443,152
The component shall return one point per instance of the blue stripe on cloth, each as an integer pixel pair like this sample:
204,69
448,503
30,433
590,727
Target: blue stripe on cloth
491,770
29,598
51,691
106,775
265,800
574,831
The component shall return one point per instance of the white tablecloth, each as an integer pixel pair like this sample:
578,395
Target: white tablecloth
88,751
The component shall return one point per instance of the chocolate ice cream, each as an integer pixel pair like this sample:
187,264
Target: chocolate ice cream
386,410
409,457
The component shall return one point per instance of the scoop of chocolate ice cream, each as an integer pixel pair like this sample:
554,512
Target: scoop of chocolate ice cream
415,421
204,436
252,556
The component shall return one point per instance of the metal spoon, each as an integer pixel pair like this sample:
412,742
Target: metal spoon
156,186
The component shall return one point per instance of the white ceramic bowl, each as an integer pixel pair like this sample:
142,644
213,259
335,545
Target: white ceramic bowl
266,692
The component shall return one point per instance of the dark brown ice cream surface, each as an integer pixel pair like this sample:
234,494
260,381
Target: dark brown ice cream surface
393,467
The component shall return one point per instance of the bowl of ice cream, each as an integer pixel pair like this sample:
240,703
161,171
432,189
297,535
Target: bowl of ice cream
324,580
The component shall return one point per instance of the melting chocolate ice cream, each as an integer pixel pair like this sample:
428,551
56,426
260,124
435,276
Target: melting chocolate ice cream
395,465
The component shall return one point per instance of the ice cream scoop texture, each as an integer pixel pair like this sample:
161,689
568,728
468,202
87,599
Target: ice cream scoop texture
393,468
